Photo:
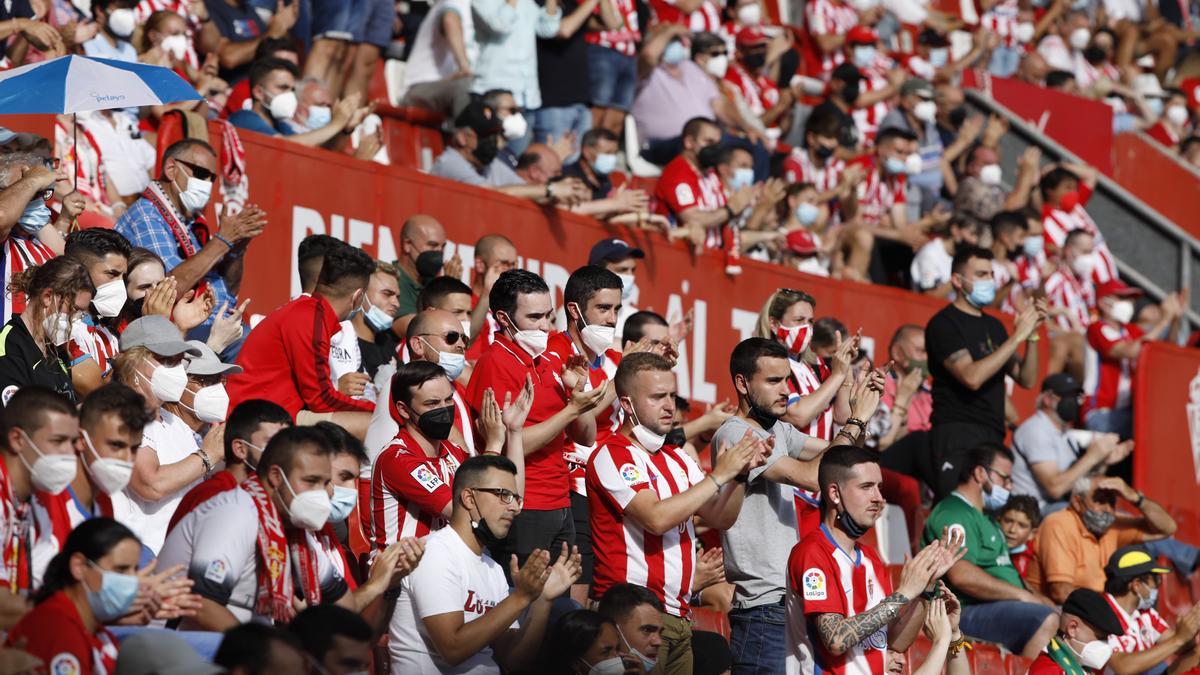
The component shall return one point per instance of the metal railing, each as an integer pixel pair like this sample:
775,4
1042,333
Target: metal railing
1152,252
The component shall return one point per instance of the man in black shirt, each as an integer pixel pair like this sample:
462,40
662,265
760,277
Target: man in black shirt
970,353
598,157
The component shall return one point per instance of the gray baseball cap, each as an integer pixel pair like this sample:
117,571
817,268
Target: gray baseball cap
6,135
157,334
208,363
162,652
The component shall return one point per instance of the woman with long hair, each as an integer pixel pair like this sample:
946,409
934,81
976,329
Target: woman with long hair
33,344
92,581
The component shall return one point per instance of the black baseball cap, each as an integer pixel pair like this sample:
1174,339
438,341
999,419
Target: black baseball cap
1061,384
1132,561
1094,610
480,117
610,250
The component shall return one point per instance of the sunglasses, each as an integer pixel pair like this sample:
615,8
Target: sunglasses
198,171
451,338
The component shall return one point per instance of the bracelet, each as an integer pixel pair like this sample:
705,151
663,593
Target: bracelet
959,645
549,190
716,482
856,422
223,240
1033,338
849,436
729,210
1141,498
208,467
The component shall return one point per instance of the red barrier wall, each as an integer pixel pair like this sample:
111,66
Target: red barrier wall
1143,167
1166,461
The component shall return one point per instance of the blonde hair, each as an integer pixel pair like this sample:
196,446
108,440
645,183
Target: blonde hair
125,365
777,304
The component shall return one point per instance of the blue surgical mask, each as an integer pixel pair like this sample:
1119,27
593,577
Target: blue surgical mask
115,597
807,213
1148,602
452,363
894,166
1155,105
1018,549
675,53
605,163
343,502
1034,245
864,56
996,499
939,57
742,178
983,293
35,217
378,319
319,116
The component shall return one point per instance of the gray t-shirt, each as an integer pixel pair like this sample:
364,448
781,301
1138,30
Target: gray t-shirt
451,164
759,543
1039,440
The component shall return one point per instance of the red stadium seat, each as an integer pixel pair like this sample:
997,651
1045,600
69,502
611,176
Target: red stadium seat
1017,664
986,660
1175,597
711,621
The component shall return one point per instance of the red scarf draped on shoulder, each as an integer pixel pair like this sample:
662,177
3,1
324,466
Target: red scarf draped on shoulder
274,598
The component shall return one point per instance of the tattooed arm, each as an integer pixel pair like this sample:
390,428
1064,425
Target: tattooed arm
839,633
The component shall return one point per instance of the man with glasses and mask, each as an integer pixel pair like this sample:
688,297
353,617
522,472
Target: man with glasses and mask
1076,543
997,606
1050,457
169,220
456,612
562,409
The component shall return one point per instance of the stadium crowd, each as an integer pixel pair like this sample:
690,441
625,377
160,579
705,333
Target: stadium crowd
415,466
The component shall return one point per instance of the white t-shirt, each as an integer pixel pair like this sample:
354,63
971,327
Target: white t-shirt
173,441
450,578
931,266
345,356
431,59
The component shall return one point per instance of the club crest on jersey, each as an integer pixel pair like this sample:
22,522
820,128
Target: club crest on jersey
814,584
956,528
427,478
631,474
65,664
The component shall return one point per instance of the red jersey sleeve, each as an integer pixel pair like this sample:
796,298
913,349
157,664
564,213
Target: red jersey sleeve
1085,193
1103,338
678,191
813,576
490,373
412,480
63,648
614,472
307,345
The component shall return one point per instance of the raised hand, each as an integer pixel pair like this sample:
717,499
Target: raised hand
739,459
192,310
937,623
530,579
953,548
563,573
245,224
710,569
586,401
453,267
491,420
353,384
516,412
953,607
917,572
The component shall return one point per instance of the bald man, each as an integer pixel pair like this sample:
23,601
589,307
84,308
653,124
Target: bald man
422,242
495,254
539,164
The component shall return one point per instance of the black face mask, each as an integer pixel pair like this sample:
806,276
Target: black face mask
824,152
429,264
850,93
487,148
765,418
850,527
754,61
134,307
675,437
436,424
483,534
957,116
1095,55
707,157
1068,409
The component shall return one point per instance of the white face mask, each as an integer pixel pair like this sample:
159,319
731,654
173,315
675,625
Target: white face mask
167,383
926,111
647,662
598,339
991,174
195,197
1095,654
913,164
1083,265
121,22
1025,31
212,404
110,298
109,474
613,666
515,126
532,341
628,286
50,473
1177,115
283,106
57,328
645,437
309,510
1122,311
750,15
1079,39
175,45
717,66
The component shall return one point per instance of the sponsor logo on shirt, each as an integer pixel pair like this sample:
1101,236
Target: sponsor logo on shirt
814,584
427,478
683,194
956,528
476,604
631,475
7,394
65,664
216,571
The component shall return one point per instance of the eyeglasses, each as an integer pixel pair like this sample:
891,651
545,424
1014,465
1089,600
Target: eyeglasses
198,171
51,163
451,338
1004,477
505,496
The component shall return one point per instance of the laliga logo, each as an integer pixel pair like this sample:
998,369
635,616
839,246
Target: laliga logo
107,98
1193,418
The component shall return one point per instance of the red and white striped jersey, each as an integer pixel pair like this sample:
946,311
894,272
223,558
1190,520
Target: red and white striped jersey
1078,297
1108,379
877,194
758,91
409,490
1029,278
576,454
1087,75
825,579
1057,224
15,528
705,18
830,17
1143,628
624,39
625,551
90,180
91,340
873,79
1002,20
799,167
804,381
20,252
682,187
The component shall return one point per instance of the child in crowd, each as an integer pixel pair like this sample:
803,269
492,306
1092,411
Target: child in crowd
1019,520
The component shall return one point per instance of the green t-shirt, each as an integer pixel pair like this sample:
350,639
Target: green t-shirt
409,290
986,546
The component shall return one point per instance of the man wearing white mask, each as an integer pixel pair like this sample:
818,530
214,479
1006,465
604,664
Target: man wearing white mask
620,258
117,23
173,456
233,544
93,333
111,421
164,221
917,113
1072,297
274,104
40,428
1080,644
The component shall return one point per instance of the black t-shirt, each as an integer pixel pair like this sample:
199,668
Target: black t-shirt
563,66
599,190
22,364
377,352
952,330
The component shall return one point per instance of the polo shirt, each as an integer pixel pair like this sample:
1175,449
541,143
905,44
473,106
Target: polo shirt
409,290
600,189
1068,553
504,368
986,547
22,363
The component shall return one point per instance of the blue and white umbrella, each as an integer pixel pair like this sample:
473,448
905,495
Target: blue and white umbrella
72,84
